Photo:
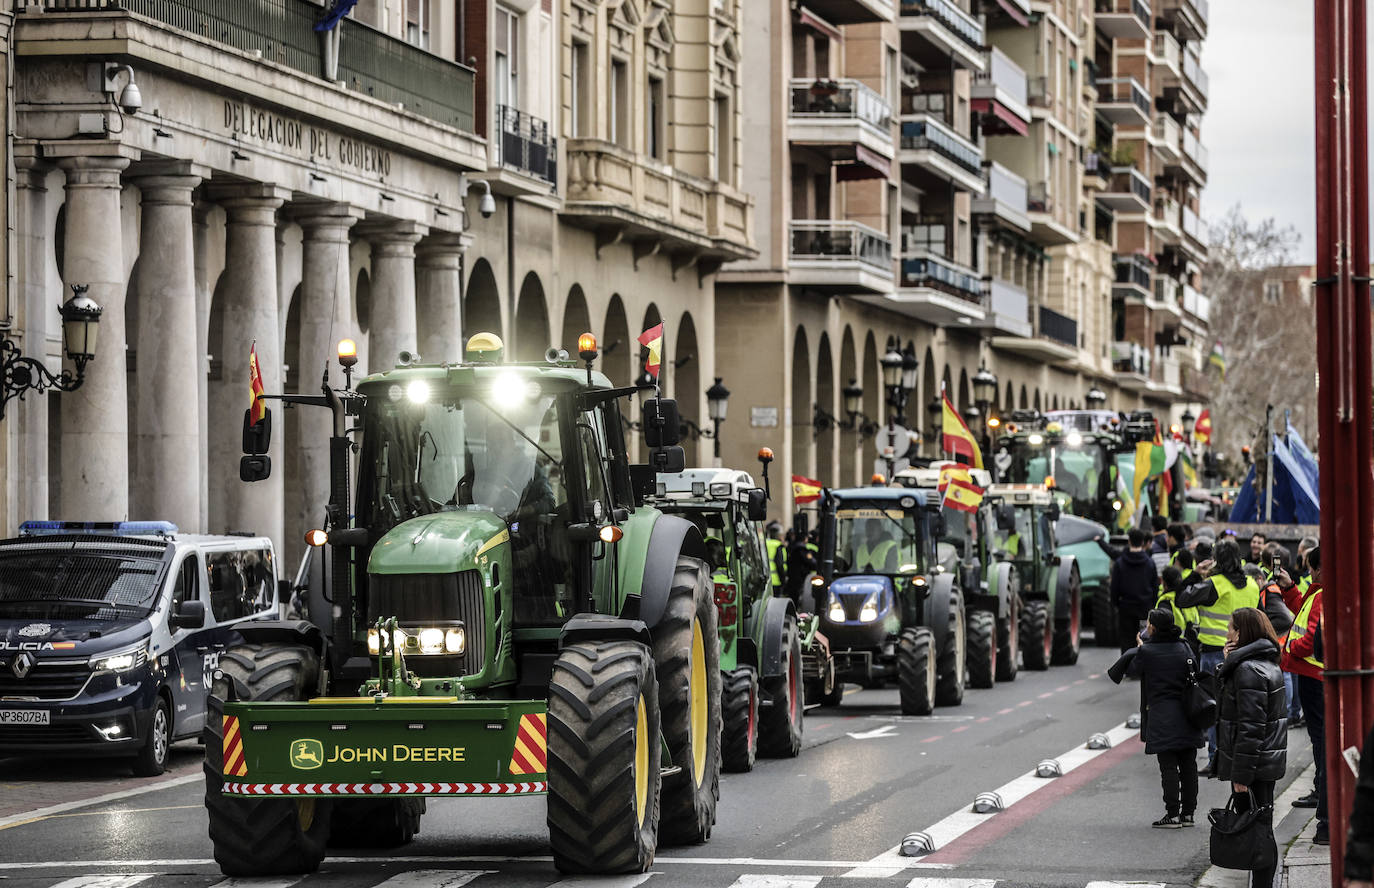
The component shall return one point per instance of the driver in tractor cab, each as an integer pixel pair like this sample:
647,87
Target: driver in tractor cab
718,557
877,553
1009,541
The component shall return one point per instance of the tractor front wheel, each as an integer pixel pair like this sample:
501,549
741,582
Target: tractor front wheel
982,649
1104,619
739,710
261,836
1037,635
604,758
1067,629
687,661
916,670
1009,641
780,724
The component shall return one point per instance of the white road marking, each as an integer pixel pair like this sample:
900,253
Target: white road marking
256,883
1123,885
630,881
126,880
39,813
428,878
884,731
920,882
891,862
761,881
175,863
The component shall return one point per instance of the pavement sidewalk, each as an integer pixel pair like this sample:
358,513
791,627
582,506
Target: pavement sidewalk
1305,865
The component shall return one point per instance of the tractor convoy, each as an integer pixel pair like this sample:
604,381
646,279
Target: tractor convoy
502,604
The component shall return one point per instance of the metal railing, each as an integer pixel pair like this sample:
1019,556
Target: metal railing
525,144
926,269
1138,8
840,240
1123,91
1004,74
932,133
1058,327
968,28
829,99
1133,269
1006,187
1038,198
1167,130
1192,70
1097,163
1168,291
1166,211
1038,93
1130,357
1166,48
1129,179
370,62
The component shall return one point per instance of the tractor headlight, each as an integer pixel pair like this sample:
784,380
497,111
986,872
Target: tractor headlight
431,641
120,662
818,581
836,611
374,642
869,612
455,640
1116,505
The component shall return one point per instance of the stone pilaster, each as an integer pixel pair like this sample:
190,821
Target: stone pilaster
393,326
439,295
31,414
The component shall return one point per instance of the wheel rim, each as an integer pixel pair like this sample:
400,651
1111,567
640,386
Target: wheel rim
641,761
697,696
305,814
160,740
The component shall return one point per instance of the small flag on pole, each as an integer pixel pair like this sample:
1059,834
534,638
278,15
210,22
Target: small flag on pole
1218,359
804,489
1202,429
258,408
957,438
956,484
652,339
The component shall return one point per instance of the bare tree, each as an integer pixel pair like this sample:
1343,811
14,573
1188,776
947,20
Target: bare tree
1269,345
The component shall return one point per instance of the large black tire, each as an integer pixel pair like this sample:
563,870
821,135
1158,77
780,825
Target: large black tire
1009,641
261,836
916,670
1068,629
780,723
152,758
1104,619
687,662
951,676
739,710
604,758
982,649
1037,635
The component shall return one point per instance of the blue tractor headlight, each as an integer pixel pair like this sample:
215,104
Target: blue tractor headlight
869,612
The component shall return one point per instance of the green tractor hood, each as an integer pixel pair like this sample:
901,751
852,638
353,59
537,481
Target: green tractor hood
440,543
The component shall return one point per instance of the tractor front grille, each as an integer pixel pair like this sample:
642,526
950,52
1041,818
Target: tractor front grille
418,599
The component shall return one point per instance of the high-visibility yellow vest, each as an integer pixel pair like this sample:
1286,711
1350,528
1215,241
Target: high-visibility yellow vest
1300,629
1213,618
1182,615
773,547
1012,544
1304,583
874,559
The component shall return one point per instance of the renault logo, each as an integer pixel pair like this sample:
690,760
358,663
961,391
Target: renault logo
22,664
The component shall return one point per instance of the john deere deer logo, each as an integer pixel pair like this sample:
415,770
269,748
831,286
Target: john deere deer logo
307,754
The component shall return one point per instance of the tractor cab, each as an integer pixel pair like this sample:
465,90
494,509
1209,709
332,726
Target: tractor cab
1075,452
1022,519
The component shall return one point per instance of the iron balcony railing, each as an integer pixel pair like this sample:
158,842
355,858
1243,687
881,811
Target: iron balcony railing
926,269
1168,291
932,133
1058,327
1097,163
1130,357
525,144
831,99
370,62
968,28
840,240
1133,269
1130,179
1122,91
1138,8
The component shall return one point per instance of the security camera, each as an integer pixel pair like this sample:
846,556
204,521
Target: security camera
488,205
130,98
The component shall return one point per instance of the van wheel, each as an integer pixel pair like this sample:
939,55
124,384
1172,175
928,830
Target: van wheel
152,758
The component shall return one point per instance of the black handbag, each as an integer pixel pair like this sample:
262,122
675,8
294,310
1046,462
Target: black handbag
1243,840
1199,700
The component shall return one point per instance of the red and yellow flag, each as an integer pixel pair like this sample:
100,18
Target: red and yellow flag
956,484
804,489
258,408
652,339
1202,429
957,438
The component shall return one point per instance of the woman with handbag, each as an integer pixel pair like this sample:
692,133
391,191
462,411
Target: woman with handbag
1166,667
1252,729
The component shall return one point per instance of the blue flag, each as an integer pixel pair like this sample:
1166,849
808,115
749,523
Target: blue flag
330,19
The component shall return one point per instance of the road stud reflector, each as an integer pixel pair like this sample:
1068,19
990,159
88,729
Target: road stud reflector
1099,741
918,844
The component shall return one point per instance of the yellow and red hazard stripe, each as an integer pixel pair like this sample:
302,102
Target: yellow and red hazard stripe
235,765
531,754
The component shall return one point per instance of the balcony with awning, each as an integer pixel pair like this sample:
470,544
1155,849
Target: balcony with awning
845,120
999,93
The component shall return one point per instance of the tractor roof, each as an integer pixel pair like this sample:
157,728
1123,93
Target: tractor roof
879,494
470,373
1021,494
698,482
928,478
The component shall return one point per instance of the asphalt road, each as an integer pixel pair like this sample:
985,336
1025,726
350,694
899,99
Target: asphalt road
866,778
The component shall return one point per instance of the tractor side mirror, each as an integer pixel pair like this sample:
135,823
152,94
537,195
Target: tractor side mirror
189,615
255,468
1006,517
257,438
662,423
667,460
938,527
758,504
1054,512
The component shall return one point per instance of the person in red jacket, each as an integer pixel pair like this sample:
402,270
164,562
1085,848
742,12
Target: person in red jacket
1302,657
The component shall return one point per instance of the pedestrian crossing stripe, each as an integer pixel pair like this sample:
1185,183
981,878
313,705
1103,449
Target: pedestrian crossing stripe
367,789
235,765
531,755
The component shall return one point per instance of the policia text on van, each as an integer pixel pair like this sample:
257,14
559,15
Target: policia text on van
109,633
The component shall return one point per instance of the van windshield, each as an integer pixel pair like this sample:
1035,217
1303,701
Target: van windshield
72,585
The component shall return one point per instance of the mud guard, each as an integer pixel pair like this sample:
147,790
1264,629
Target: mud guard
774,618
283,632
1062,576
936,608
603,627
746,653
671,536
1003,587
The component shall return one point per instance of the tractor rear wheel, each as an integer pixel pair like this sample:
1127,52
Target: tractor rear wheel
687,662
1104,619
1009,641
1037,635
739,712
950,681
261,836
916,670
374,823
1068,629
604,758
982,649
780,723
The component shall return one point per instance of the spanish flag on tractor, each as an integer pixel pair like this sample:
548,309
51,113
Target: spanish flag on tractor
958,489
652,339
805,490
957,438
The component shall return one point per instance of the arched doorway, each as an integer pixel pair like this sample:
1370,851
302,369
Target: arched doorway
576,321
872,402
1025,404
1009,402
849,440
531,321
930,389
482,302
801,406
825,397
963,392
620,348
687,388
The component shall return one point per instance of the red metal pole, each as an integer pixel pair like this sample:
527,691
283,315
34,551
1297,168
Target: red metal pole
1345,414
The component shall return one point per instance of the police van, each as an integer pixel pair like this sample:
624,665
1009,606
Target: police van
110,632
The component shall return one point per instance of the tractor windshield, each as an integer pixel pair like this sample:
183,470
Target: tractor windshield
446,448
877,541
1082,472
1018,542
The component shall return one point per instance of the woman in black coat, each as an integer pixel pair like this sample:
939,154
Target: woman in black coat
1163,663
1252,717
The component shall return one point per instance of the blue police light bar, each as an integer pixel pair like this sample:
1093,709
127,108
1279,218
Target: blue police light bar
116,528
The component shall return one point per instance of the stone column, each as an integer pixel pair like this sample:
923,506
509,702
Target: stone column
95,417
393,291
325,318
167,431
200,245
250,314
34,301
439,295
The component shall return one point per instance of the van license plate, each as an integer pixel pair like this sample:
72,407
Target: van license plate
23,716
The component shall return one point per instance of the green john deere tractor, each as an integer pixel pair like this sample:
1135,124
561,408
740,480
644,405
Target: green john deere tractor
1051,591
760,645
505,616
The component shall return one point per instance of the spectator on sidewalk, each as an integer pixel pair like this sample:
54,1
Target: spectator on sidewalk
1133,587
1302,656
1163,664
1159,541
1252,736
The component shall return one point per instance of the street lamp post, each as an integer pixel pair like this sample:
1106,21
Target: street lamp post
22,374
717,399
1095,398
984,394
1189,423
